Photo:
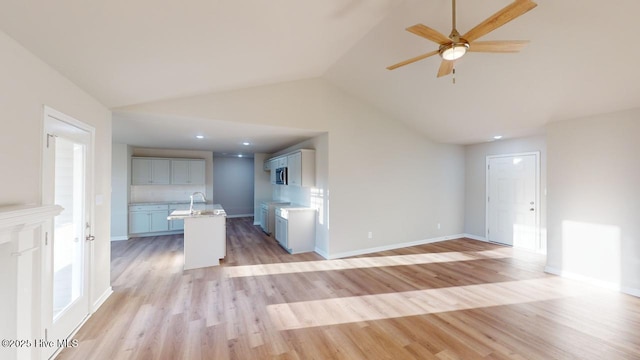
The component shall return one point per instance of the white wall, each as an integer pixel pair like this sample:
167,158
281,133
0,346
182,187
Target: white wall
386,178
233,185
593,197
475,179
150,193
27,85
119,191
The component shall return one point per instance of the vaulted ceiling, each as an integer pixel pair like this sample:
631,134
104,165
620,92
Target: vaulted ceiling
581,60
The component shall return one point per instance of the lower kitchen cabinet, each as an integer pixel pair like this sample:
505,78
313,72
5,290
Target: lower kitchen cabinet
296,229
148,218
264,217
177,224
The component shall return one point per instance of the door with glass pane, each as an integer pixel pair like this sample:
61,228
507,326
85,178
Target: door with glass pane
66,182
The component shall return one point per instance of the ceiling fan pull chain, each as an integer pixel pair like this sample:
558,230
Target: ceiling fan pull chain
454,76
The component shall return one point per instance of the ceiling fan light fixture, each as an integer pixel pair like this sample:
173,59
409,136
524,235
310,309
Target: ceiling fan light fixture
454,51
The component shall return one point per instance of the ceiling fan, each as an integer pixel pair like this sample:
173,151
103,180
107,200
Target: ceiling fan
455,46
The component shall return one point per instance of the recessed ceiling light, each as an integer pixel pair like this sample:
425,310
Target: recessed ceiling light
199,136
246,143
239,155
497,137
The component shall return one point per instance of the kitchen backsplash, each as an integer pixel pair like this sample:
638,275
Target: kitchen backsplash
151,193
293,194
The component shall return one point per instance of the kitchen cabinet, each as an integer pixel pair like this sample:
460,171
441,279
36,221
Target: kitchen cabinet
300,164
179,223
267,215
302,168
150,171
187,172
266,166
282,237
264,217
296,229
148,218
279,162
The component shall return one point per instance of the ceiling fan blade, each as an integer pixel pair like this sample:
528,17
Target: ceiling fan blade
510,12
428,33
412,60
509,46
446,67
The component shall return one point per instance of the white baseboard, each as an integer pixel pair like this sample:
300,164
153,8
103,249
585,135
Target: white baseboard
321,253
239,216
475,237
391,247
592,281
119,238
630,291
105,295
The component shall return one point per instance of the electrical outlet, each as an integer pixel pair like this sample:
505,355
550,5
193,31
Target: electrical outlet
370,235
438,226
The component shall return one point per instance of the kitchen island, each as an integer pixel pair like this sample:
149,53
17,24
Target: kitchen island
205,236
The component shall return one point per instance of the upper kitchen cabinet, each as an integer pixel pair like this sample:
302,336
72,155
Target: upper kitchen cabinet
149,171
300,164
302,168
187,172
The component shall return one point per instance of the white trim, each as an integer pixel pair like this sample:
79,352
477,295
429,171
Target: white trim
322,253
240,216
119,238
538,189
50,116
592,281
475,237
630,291
393,246
101,299
16,218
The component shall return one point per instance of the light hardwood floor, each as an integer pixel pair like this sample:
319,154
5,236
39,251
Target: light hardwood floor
459,299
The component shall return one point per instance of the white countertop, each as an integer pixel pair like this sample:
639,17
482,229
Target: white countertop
209,211
296,207
169,203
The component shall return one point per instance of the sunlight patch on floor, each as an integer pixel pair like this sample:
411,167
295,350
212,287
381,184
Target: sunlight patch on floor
364,262
298,315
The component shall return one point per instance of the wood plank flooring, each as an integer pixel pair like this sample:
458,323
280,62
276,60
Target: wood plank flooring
458,299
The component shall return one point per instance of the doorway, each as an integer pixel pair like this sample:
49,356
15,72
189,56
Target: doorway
66,181
513,198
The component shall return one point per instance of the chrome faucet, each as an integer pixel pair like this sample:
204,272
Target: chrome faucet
192,195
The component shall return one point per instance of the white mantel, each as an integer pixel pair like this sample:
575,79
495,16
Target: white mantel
22,235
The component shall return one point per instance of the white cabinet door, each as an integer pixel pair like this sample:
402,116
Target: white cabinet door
141,172
180,172
150,171
138,222
187,172
295,169
281,231
264,218
196,172
158,221
160,171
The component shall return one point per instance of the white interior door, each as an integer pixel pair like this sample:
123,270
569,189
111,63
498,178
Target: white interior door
66,182
512,200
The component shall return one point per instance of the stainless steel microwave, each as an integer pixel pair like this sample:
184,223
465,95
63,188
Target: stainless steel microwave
281,176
